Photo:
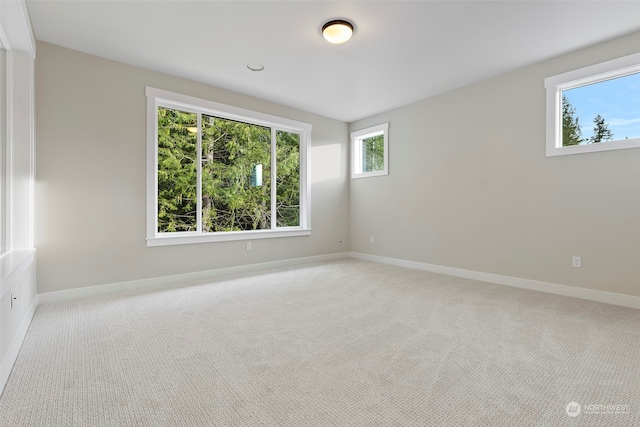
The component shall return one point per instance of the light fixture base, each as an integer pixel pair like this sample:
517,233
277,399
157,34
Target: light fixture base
337,31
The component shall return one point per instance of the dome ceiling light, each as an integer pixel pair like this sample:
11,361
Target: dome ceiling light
337,31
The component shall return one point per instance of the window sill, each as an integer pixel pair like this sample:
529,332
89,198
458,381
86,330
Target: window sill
593,148
369,174
186,239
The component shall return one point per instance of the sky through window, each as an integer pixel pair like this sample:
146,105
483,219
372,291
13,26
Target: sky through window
617,100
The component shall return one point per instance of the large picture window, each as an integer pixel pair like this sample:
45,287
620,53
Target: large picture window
220,173
594,108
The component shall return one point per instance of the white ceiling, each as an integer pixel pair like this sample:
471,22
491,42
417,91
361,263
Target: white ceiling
401,51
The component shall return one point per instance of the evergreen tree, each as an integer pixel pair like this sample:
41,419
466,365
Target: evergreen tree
288,179
236,174
373,154
231,152
571,133
601,131
177,173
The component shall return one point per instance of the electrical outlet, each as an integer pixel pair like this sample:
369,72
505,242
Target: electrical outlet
577,262
248,247
371,239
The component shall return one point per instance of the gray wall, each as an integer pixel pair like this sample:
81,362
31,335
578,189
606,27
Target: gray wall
470,187
90,189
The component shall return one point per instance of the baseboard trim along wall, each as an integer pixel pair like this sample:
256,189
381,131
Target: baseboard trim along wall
534,285
109,288
16,344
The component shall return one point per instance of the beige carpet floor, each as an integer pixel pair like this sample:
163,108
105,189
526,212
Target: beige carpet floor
342,343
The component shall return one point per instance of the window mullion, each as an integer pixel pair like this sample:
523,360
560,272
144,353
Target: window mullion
199,176
274,191
152,228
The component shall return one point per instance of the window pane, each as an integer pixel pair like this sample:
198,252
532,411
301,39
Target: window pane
601,112
177,170
373,154
288,179
236,175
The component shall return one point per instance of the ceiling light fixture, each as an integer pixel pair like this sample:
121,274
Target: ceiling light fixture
337,31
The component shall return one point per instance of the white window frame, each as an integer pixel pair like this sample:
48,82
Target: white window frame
162,98
554,85
356,150
5,161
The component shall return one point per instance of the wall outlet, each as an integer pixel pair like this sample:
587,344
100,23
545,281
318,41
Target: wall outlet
248,247
371,239
576,262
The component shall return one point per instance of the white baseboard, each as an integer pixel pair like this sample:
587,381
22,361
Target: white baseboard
109,288
535,285
553,288
14,349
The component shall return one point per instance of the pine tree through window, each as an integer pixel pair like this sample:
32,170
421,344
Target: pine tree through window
595,108
218,173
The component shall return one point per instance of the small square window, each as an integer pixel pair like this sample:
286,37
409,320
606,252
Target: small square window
370,151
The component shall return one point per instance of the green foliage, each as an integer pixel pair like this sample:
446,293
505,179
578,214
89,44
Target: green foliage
373,154
571,133
177,173
231,153
601,131
288,179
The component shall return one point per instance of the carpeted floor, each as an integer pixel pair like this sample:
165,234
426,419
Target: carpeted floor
342,343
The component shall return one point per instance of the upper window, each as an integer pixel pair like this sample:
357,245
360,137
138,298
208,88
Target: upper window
217,172
370,151
595,108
